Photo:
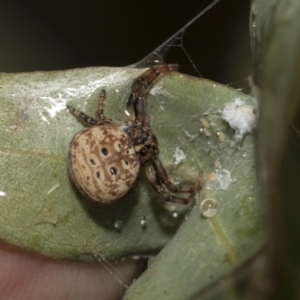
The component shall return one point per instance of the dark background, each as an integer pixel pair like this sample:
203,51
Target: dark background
54,35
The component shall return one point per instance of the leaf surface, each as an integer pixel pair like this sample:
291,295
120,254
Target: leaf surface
42,211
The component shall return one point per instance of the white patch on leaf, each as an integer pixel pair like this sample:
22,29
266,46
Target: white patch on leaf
240,117
179,156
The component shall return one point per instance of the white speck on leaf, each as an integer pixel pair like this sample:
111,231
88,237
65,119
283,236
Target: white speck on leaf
45,119
52,189
179,156
224,178
191,136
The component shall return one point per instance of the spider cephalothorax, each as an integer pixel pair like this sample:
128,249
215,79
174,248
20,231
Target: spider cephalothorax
104,160
144,141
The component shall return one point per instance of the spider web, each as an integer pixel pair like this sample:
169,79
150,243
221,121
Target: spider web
157,56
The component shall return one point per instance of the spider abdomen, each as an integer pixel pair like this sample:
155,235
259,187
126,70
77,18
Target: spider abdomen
102,163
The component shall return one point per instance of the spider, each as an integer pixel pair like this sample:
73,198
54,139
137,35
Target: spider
104,159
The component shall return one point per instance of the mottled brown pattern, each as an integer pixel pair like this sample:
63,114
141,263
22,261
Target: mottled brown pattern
89,154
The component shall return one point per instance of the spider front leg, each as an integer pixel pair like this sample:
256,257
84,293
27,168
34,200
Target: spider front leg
142,84
158,177
83,116
139,88
99,113
100,110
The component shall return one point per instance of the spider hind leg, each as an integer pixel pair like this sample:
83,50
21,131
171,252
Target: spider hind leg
158,178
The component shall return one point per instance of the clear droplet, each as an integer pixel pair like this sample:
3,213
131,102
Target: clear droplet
209,207
118,224
176,179
175,214
143,221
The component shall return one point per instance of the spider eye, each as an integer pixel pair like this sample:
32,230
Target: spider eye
113,171
104,151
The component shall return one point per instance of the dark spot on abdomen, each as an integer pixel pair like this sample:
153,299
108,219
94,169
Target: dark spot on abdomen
104,151
113,171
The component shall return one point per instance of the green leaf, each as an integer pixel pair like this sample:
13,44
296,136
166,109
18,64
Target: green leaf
42,211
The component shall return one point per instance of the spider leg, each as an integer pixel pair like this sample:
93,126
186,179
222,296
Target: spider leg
189,189
99,113
159,177
84,116
163,175
100,110
140,87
